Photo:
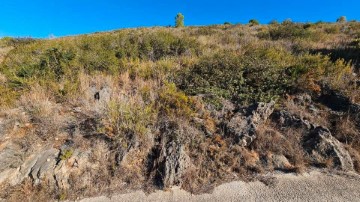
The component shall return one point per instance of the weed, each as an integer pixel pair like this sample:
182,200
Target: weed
66,154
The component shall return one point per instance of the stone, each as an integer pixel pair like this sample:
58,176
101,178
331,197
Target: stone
286,119
170,159
10,160
243,125
303,99
175,164
280,162
44,165
321,145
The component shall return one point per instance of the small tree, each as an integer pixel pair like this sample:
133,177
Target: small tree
179,20
287,22
341,19
273,22
253,22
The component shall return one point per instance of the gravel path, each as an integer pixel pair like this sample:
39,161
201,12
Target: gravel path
313,186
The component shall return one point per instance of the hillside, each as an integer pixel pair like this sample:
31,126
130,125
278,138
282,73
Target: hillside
150,108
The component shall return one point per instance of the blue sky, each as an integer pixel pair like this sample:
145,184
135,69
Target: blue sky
42,18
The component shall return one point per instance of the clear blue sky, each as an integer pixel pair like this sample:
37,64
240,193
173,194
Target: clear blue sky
41,18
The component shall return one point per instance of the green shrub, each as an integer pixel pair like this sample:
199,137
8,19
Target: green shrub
273,22
332,29
128,118
179,20
243,79
341,19
173,102
253,22
51,62
260,75
9,41
287,30
66,154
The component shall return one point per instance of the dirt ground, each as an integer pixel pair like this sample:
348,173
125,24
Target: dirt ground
312,186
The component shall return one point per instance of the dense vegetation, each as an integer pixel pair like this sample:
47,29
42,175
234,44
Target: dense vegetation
155,80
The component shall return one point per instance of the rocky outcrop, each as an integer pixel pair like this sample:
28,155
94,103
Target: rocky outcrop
339,102
42,166
285,119
279,162
243,126
321,145
175,162
335,100
318,141
10,161
171,161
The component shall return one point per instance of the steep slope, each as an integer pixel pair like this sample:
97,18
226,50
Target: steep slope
194,107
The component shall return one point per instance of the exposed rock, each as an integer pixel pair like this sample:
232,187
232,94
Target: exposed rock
36,166
10,160
175,164
286,119
303,99
44,165
172,162
280,162
226,111
337,101
321,145
243,125
262,112
75,166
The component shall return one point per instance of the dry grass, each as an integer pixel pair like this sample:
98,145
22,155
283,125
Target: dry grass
47,101
347,132
287,143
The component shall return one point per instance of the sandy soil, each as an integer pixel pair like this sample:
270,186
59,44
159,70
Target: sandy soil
313,186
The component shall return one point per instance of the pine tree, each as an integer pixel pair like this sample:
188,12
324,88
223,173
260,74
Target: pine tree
179,20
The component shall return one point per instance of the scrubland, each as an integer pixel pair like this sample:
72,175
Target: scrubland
149,108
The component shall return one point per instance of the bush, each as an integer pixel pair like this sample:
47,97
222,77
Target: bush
59,61
179,20
341,19
129,119
9,41
253,22
260,75
174,102
287,30
156,45
243,79
66,154
273,22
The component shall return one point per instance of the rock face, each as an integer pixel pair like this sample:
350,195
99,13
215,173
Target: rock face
319,142
321,145
36,166
43,165
286,119
243,125
10,160
335,100
172,161
175,163
280,162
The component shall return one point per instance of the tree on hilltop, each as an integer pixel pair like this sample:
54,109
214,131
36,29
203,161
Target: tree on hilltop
179,20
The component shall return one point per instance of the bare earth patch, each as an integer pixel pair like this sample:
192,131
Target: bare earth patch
313,186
